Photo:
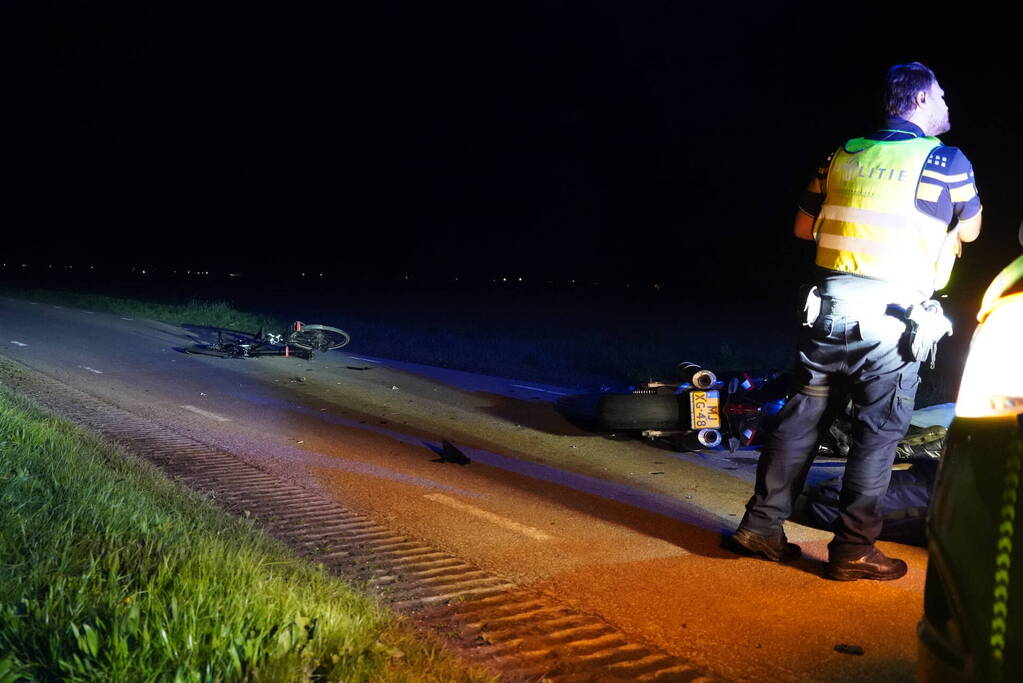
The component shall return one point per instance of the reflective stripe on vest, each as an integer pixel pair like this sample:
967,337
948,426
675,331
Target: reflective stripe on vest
869,224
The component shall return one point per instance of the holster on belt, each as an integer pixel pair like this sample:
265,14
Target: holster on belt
926,325
810,297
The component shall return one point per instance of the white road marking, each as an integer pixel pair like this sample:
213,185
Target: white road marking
206,413
18,343
546,391
86,367
529,531
368,360
127,318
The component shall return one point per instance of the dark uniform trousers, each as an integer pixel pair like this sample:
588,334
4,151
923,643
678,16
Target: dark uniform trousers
840,357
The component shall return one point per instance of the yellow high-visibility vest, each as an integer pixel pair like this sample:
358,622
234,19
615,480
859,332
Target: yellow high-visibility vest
869,223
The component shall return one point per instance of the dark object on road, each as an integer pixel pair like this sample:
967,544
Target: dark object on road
849,649
300,340
903,508
448,453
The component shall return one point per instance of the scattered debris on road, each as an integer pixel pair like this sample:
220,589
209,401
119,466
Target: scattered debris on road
449,453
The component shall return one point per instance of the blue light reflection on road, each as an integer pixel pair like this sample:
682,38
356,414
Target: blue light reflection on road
647,500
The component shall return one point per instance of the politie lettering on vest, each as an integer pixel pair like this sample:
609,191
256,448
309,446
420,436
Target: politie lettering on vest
853,168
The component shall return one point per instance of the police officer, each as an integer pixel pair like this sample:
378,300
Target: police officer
889,213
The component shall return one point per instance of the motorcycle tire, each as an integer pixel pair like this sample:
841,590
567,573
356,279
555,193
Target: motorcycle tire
638,411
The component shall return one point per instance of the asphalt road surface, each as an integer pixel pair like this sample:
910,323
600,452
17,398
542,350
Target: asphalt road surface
619,528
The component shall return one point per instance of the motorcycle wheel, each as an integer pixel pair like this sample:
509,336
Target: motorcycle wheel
638,411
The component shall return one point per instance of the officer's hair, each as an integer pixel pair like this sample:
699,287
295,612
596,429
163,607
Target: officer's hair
903,83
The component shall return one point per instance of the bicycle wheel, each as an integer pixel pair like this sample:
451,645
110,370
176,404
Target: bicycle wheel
318,338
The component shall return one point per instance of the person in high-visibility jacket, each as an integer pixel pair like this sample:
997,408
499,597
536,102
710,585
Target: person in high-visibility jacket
889,213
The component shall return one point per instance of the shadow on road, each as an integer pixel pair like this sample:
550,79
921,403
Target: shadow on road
541,416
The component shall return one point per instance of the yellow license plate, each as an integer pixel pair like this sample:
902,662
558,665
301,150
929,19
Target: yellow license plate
703,410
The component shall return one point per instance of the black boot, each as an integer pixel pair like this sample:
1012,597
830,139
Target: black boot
873,565
775,548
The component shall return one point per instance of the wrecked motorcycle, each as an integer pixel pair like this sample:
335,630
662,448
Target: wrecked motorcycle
700,411
695,412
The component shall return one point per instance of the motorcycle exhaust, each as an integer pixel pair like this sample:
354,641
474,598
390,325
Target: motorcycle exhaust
697,376
694,440
703,438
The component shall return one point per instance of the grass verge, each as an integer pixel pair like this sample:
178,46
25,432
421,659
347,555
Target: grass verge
109,571
195,312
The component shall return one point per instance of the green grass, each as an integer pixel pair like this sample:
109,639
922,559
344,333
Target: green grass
109,571
194,312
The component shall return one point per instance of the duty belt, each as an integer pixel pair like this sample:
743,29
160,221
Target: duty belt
857,310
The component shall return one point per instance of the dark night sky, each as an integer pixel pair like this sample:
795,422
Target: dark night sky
528,137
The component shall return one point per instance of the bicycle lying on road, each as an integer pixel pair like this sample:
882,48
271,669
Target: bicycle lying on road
299,340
